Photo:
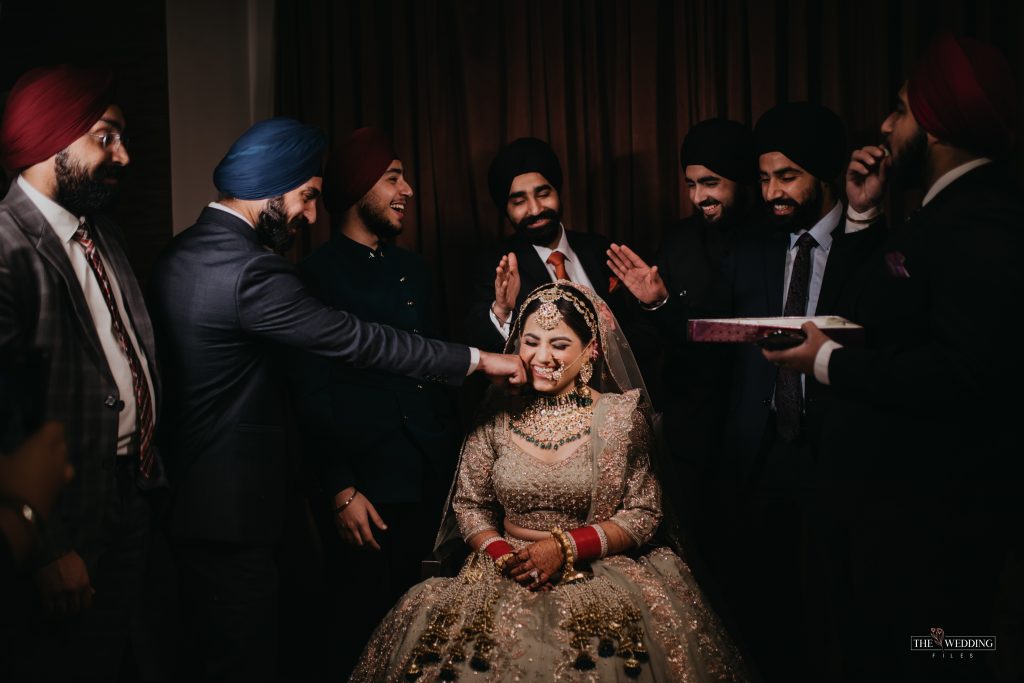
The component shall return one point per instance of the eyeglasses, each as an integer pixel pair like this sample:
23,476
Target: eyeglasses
111,141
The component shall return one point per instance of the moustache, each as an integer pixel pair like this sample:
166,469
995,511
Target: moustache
546,214
111,171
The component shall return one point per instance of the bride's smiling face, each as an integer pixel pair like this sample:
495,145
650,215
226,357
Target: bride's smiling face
553,356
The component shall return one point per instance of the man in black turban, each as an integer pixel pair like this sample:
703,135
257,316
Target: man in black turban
525,181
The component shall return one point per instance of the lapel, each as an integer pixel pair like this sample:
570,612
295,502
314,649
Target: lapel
774,264
36,227
593,264
135,305
532,271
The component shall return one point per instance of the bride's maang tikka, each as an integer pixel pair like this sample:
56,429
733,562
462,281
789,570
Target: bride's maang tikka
548,315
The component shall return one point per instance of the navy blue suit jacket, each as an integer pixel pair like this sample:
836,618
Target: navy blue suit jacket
225,309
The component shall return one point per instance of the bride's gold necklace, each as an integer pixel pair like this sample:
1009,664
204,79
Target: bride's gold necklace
549,422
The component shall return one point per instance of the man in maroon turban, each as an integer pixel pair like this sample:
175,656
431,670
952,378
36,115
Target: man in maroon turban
67,289
386,445
931,404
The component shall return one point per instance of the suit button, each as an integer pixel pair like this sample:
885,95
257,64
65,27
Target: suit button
767,403
401,279
410,302
419,386
110,402
415,331
683,293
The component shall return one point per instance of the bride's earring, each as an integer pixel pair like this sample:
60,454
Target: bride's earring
586,372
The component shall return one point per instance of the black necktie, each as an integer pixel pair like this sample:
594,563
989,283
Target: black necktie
788,394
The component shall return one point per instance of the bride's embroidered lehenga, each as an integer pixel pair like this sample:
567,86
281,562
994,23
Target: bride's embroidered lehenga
640,617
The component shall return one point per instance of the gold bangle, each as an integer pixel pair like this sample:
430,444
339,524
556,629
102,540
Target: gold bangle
502,561
568,557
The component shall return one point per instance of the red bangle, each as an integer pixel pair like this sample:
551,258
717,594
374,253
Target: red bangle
588,543
498,549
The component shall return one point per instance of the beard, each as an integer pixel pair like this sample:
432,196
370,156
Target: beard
83,192
725,216
542,236
376,222
908,161
804,217
274,229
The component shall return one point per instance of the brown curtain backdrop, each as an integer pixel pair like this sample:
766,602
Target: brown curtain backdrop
614,87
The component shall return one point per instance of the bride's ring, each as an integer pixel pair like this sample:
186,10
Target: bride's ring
535,575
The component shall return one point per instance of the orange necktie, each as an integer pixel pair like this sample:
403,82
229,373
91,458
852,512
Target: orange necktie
557,259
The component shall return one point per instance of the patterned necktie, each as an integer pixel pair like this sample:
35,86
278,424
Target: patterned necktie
557,259
788,393
144,416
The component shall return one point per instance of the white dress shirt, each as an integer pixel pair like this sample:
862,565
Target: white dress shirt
822,234
64,225
573,268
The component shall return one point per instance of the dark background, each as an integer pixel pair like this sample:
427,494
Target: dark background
614,86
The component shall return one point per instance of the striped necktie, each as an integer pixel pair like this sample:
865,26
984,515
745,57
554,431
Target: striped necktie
143,405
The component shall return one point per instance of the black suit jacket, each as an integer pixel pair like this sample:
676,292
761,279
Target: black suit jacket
940,375
388,435
750,285
43,309
225,309
591,251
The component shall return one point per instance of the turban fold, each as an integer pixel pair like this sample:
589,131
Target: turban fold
962,91
48,109
726,147
271,158
355,167
525,155
810,135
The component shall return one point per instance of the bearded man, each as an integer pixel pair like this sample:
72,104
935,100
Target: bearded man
227,304
385,445
525,182
67,293
926,424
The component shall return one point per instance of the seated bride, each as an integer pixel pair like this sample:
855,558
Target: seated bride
556,496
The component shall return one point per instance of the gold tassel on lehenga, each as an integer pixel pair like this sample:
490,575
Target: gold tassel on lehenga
600,610
472,594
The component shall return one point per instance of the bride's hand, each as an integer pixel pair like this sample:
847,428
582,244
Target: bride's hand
537,563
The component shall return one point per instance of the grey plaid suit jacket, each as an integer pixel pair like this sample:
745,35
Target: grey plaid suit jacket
42,308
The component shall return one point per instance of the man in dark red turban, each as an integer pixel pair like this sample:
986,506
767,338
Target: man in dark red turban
68,289
385,444
928,422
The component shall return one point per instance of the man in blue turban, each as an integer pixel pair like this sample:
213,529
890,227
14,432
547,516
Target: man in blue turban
226,307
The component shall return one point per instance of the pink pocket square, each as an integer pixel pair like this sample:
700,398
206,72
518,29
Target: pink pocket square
895,261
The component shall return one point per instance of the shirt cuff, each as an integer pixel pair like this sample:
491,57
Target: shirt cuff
503,328
821,360
857,221
474,360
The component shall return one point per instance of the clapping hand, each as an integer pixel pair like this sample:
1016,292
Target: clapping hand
866,177
506,286
642,280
